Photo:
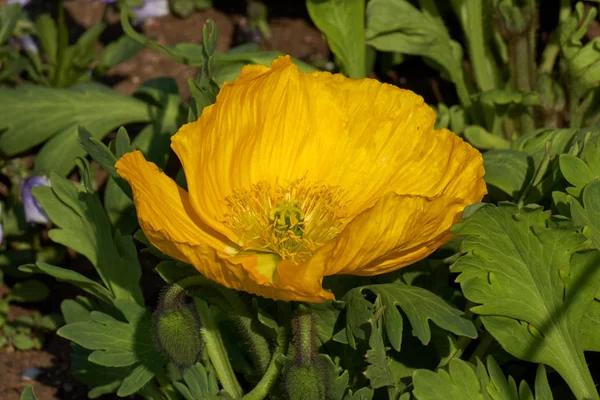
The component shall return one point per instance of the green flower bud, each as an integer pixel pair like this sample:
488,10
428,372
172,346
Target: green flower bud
177,329
304,383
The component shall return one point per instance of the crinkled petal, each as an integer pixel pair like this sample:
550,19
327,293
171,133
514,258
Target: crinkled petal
165,213
247,273
398,231
270,125
279,125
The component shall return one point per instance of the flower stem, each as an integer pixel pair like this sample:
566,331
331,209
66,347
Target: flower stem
578,108
261,390
523,80
216,350
482,348
238,311
576,373
484,67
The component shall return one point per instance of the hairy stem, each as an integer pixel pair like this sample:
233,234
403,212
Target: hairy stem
262,389
216,350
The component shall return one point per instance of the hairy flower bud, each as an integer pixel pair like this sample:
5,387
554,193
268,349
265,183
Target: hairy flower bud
177,329
305,383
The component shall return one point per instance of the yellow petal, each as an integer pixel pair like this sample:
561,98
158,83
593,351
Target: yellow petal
170,224
164,210
278,125
270,125
246,273
399,230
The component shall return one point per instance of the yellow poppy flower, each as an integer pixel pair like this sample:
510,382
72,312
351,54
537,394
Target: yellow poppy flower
295,176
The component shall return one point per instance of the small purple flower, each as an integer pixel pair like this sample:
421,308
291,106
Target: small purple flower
34,213
21,2
28,44
150,9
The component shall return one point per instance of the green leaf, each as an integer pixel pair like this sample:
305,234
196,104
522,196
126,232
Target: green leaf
482,139
9,16
30,291
119,344
458,383
365,393
47,33
326,316
23,342
57,113
52,322
204,89
3,311
103,380
542,387
75,310
153,141
576,171
28,393
72,277
342,22
507,170
590,326
84,227
135,381
378,372
118,52
103,156
418,304
588,214
464,381
397,26
534,143
532,288
199,383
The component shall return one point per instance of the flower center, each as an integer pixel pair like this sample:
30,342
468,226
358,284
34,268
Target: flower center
292,221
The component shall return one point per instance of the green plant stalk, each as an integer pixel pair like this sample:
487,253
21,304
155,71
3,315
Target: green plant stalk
151,392
260,353
482,348
262,389
577,374
464,96
167,390
523,81
63,43
578,108
484,67
138,37
305,339
216,350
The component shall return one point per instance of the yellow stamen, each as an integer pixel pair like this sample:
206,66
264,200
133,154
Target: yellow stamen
292,221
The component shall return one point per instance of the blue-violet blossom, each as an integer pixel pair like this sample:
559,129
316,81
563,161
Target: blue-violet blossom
34,213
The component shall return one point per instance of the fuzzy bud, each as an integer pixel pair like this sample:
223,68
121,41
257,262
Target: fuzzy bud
304,383
177,329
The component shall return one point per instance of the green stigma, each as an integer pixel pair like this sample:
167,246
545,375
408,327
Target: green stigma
287,217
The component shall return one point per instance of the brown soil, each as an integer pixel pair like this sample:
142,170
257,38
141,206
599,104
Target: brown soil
292,34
